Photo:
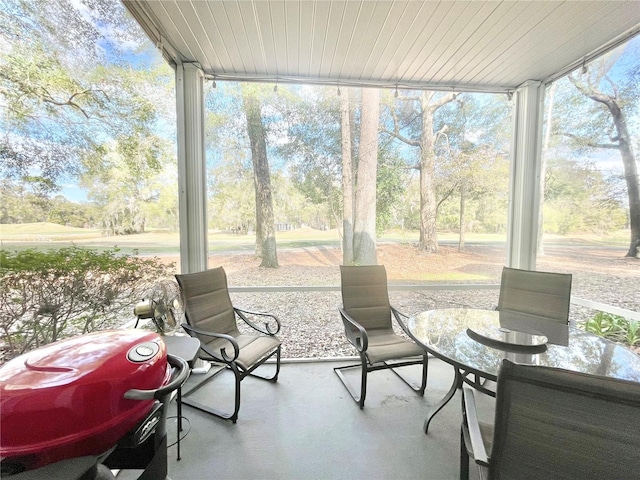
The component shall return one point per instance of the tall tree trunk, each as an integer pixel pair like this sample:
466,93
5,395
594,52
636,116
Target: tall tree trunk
259,230
347,181
630,176
265,230
364,232
428,202
622,142
543,165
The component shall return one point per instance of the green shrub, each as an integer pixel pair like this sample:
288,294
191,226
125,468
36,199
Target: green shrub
614,327
50,295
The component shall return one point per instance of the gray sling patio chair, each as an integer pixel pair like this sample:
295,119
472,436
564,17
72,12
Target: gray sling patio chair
544,295
367,318
534,302
554,424
212,318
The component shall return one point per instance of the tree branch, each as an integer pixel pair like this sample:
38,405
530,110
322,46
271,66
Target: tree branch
70,102
614,87
396,131
591,143
590,92
402,138
448,193
443,101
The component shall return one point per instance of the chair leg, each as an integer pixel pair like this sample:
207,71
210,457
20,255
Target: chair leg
274,377
366,369
238,376
363,385
213,411
357,397
464,457
423,386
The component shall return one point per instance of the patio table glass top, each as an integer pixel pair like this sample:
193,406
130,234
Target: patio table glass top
455,336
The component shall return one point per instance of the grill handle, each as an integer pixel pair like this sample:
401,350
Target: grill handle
178,380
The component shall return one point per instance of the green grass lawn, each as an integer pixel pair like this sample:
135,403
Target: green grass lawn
29,231
51,235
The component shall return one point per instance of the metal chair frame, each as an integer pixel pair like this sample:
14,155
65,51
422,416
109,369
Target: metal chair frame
357,335
229,361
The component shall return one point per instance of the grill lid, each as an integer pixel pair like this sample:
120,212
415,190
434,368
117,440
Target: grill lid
67,399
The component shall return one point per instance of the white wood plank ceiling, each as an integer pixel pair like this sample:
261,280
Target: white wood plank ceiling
463,45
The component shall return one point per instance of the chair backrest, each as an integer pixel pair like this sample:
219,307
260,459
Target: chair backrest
206,301
365,296
557,424
541,294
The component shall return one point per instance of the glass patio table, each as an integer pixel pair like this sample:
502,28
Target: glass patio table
476,341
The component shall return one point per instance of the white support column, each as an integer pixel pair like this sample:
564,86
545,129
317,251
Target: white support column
191,168
524,182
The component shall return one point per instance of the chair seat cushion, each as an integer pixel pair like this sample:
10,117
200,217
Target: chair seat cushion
386,345
252,348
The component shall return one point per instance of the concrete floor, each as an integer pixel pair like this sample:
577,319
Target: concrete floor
306,426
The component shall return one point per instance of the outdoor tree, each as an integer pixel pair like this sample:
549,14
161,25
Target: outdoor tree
595,110
421,109
391,182
71,94
316,142
120,175
43,106
470,160
364,219
53,109
291,209
473,172
580,198
606,126
231,193
162,209
311,152
265,228
72,214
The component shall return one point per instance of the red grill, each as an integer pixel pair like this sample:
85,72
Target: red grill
68,400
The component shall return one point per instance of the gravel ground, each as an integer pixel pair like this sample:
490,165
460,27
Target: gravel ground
311,325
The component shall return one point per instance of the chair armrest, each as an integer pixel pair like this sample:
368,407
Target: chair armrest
473,427
223,357
267,330
398,315
356,334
